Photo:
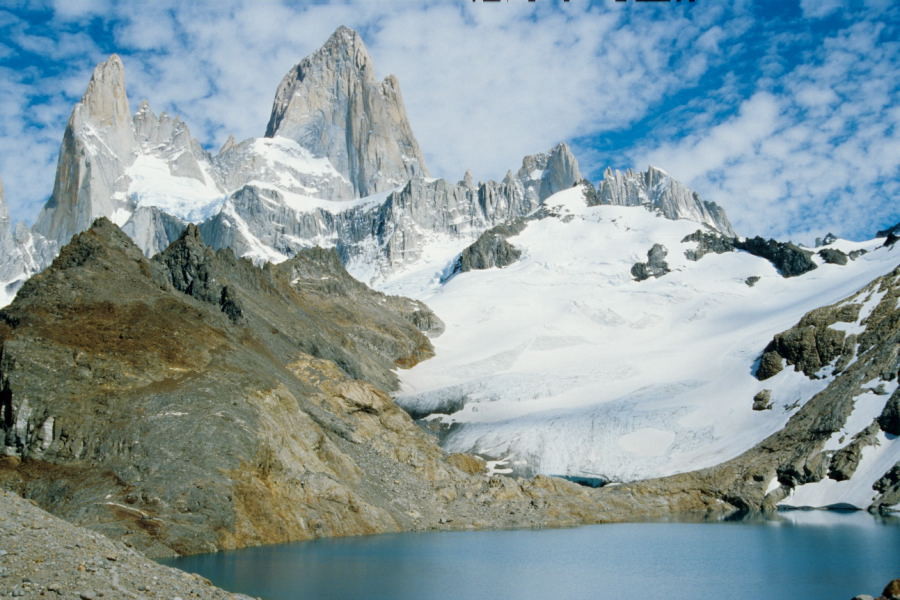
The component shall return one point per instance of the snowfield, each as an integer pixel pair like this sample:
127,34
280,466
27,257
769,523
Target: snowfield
562,364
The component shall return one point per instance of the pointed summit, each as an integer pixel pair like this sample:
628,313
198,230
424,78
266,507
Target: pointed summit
228,145
98,145
332,105
105,103
562,171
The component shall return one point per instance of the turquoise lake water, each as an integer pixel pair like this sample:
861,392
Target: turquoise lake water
810,554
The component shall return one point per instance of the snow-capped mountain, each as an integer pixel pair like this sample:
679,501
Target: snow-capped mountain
564,363
339,166
619,338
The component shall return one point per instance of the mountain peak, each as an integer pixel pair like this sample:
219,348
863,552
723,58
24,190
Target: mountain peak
98,144
658,190
105,102
345,37
331,104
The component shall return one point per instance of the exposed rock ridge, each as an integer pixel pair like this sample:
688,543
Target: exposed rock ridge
790,260
490,250
134,404
657,190
332,105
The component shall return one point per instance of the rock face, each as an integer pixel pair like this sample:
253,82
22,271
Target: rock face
657,190
97,147
813,343
789,259
656,265
331,104
490,250
763,400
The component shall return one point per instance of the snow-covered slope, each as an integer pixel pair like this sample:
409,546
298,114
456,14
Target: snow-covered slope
562,363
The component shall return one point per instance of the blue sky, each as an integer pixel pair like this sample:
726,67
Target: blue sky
785,112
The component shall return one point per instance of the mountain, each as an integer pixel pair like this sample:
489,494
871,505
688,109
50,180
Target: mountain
128,168
195,401
332,105
203,365
566,362
339,167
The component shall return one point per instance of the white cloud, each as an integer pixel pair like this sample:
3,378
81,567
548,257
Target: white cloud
828,137
816,9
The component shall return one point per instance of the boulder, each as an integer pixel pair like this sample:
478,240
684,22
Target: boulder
656,265
762,400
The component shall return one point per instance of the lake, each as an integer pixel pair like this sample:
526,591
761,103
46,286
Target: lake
798,554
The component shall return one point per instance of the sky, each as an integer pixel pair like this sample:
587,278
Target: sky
785,112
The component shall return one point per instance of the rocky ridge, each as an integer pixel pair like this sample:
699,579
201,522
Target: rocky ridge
197,402
658,191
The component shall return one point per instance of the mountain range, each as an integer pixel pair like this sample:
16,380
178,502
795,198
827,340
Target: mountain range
620,334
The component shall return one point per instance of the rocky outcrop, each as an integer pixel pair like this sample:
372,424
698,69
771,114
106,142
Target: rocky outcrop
331,104
845,461
895,229
829,239
490,250
812,344
552,171
889,419
707,242
656,265
789,259
657,190
833,256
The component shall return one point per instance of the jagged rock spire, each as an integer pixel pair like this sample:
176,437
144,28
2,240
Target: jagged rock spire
331,104
657,190
553,171
98,145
